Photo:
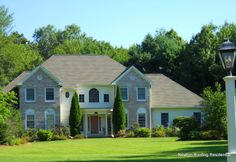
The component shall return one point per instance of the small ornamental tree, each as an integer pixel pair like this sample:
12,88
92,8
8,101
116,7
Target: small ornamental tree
118,113
75,116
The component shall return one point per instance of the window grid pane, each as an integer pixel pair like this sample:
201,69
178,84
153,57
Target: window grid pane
106,97
50,121
49,94
141,94
93,95
142,119
30,94
30,121
124,93
164,119
81,98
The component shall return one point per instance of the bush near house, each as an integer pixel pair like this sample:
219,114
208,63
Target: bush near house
187,125
118,114
44,135
161,131
75,116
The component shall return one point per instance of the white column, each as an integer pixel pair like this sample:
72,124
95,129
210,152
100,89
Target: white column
106,124
86,125
231,117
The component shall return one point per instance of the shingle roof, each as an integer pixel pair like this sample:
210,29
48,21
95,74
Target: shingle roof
166,93
14,82
84,69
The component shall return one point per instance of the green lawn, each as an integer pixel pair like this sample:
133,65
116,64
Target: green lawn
108,149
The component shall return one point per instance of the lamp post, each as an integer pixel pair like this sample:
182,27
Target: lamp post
227,55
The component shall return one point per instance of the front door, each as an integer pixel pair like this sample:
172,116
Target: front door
94,124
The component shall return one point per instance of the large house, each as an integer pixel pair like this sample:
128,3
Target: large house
45,94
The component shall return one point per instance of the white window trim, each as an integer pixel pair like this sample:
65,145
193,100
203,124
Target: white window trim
45,98
29,112
127,112
45,117
127,94
26,95
137,94
141,111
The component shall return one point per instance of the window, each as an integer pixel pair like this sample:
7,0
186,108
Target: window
49,94
142,117
141,94
30,119
106,97
67,94
30,94
49,119
197,115
164,119
93,95
124,94
81,98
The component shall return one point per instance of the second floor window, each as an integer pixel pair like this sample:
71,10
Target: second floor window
30,94
106,97
141,94
81,98
93,95
124,94
49,94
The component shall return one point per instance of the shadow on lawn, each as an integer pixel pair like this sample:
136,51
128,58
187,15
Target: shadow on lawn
172,156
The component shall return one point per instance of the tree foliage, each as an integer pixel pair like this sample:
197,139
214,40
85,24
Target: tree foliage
6,20
118,113
75,116
215,109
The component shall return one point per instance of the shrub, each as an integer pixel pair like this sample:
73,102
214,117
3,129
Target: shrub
4,133
159,131
210,135
60,130
130,134
186,125
120,133
31,134
44,135
194,135
118,113
79,136
75,116
142,132
56,137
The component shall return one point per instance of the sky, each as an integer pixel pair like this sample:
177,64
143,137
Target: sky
120,22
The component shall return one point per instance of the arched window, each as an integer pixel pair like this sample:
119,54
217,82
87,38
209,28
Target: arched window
93,95
49,118
142,117
29,119
126,118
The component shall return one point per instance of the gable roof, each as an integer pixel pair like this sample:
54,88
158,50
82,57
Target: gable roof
40,67
125,72
83,69
14,82
166,93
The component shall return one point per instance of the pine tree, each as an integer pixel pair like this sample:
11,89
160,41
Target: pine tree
75,116
118,113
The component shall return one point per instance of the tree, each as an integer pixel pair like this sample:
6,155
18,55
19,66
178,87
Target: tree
75,116
118,113
5,20
214,104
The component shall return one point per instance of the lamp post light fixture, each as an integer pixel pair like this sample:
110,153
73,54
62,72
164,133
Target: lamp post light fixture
227,55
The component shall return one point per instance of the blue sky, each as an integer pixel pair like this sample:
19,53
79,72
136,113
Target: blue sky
121,22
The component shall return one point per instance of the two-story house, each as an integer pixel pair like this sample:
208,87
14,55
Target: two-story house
45,94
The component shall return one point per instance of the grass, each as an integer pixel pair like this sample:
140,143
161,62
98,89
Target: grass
108,149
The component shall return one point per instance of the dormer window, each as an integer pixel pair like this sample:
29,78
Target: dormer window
93,95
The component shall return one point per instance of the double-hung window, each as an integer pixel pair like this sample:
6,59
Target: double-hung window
164,119
81,97
106,97
141,94
124,94
49,94
30,94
